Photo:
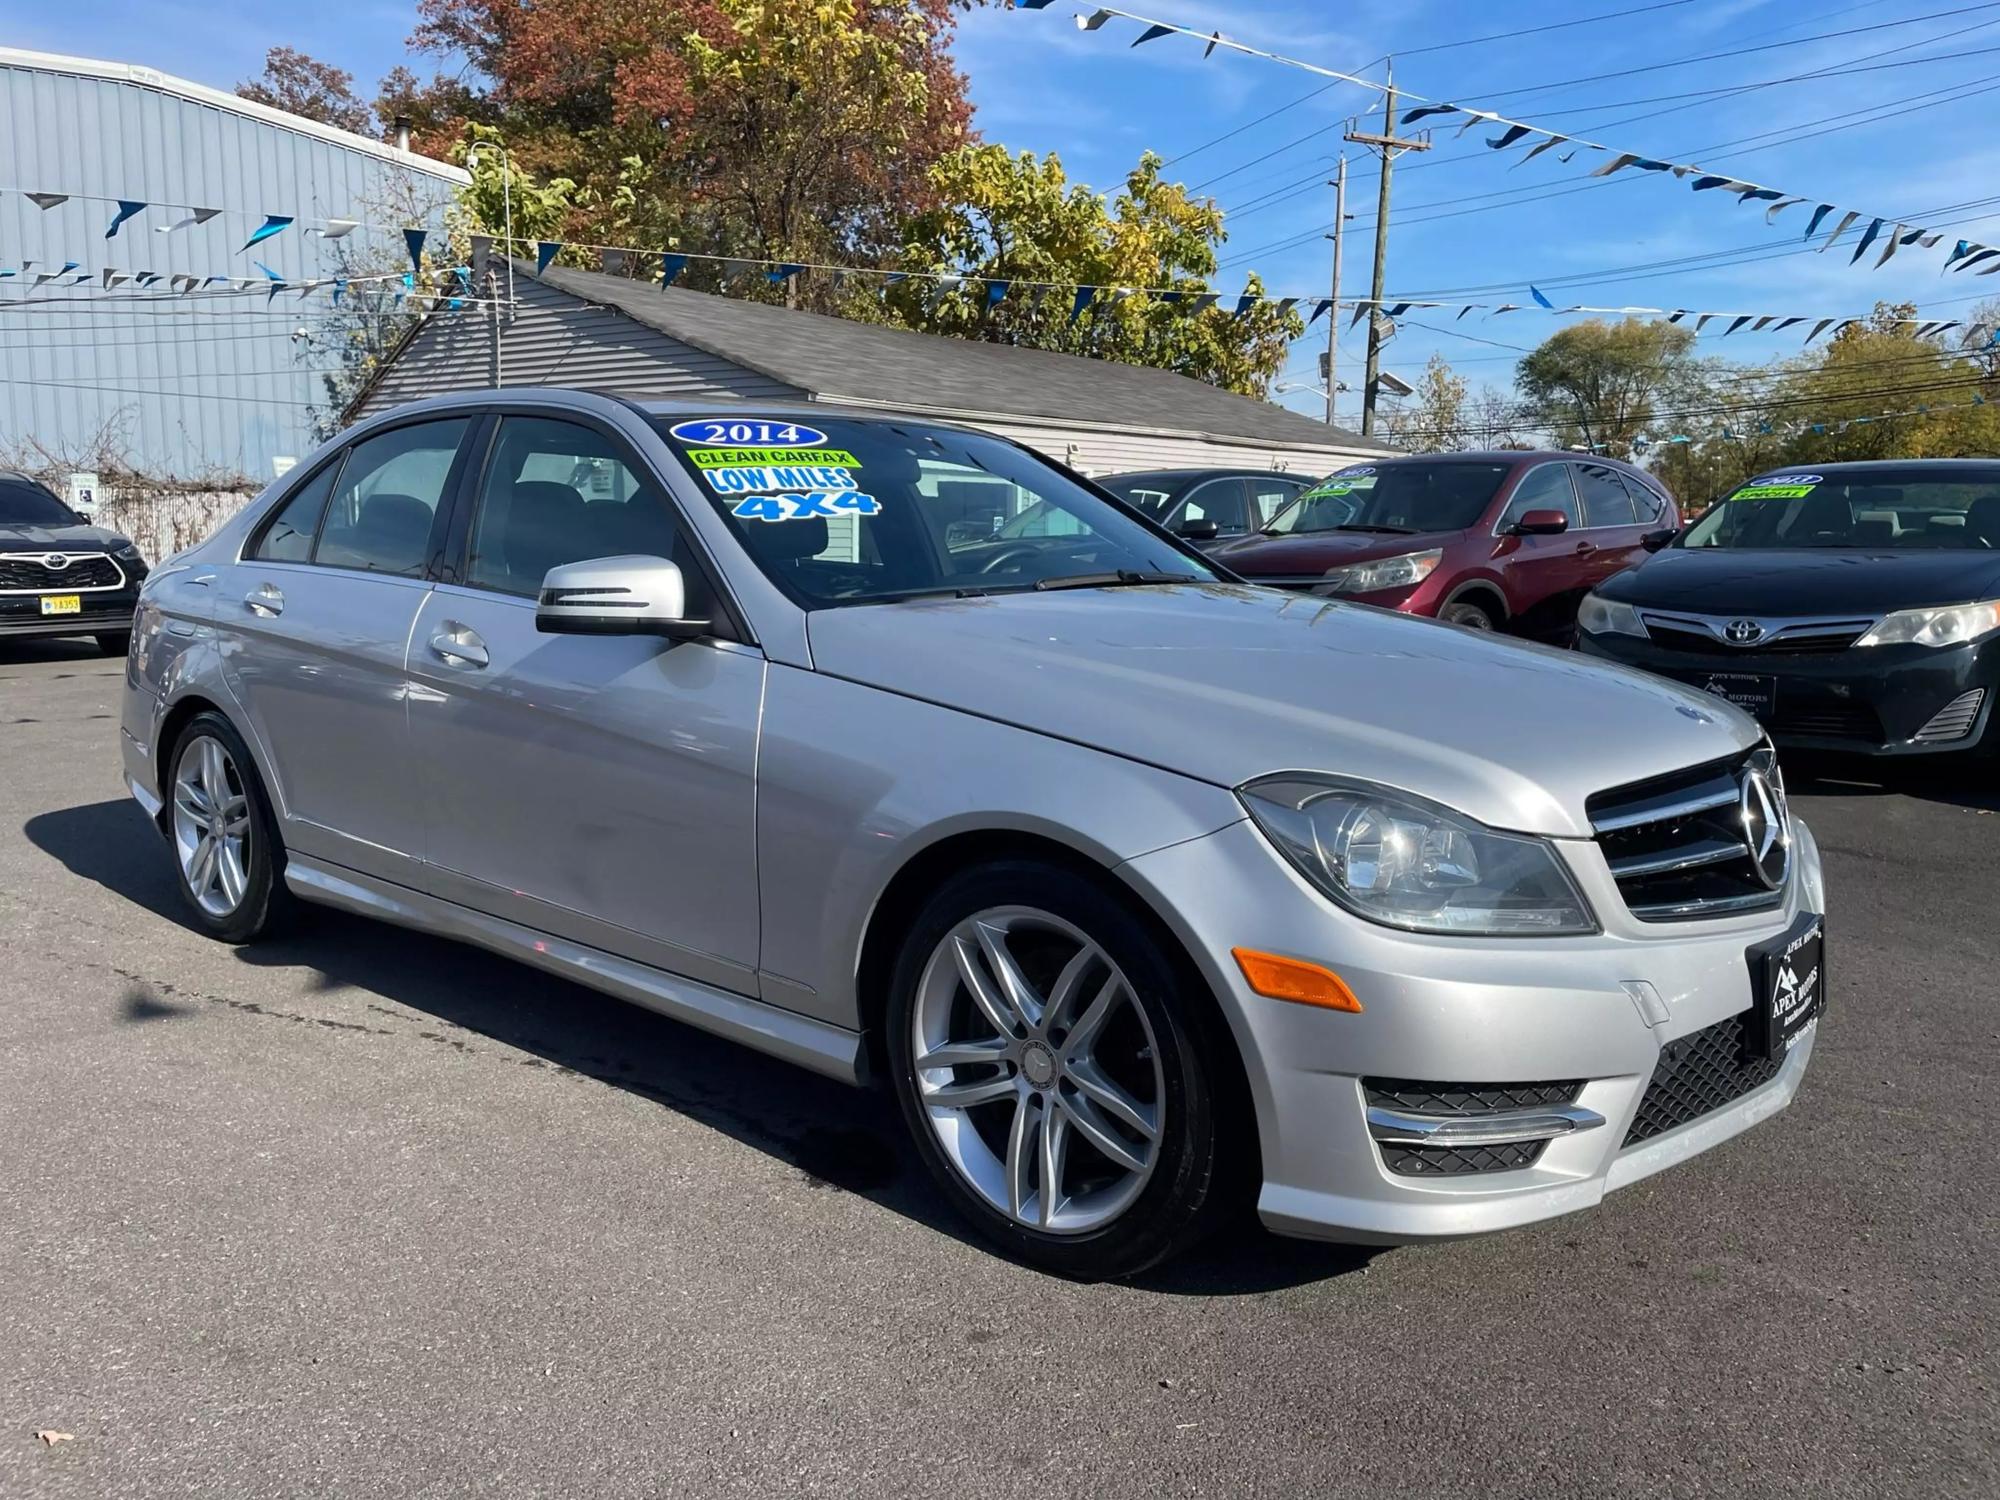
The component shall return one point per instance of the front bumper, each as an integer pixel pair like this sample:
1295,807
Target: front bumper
1869,701
102,614
1598,1009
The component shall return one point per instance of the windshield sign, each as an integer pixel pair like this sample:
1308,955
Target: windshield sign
869,512
1872,509
1394,498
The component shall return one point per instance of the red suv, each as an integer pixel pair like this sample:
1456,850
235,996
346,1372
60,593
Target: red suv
1491,540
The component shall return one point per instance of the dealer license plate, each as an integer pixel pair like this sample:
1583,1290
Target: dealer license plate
62,604
1788,978
1756,696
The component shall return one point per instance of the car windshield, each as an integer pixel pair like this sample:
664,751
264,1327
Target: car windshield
862,512
1141,492
23,504
1872,509
1392,498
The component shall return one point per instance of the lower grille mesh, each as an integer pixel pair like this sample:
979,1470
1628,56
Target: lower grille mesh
1453,1161
1697,1075
1418,1097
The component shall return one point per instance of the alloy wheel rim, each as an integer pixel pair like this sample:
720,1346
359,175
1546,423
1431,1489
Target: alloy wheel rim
211,826
1037,1070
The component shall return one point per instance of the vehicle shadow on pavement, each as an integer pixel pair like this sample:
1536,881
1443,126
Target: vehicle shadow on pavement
462,997
1956,781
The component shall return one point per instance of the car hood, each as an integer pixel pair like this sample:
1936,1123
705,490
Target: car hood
15,536
1261,556
1225,682
1814,581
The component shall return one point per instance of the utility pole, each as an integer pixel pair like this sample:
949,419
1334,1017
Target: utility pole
1330,374
1391,146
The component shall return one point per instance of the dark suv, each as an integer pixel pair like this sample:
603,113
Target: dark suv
59,575
1487,540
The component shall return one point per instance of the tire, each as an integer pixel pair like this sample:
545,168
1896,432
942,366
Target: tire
115,643
1469,614
1127,1043
239,893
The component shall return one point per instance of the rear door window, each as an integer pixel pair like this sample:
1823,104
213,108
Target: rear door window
1646,501
288,536
387,496
1606,501
1269,496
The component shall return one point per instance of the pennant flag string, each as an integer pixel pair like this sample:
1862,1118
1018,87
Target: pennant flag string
1512,131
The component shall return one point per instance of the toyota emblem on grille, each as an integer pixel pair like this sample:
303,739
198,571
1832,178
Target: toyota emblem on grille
1767,833
55,561
1742,632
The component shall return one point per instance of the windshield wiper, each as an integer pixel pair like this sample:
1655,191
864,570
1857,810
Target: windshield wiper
1385,530
1121,578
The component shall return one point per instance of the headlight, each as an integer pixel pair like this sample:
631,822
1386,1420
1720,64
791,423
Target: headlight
1952,625
1404,862
127,552
1597,616
1383,573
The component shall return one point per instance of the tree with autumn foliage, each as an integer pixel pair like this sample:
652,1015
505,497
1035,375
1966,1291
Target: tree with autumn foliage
309,88
998,217
774,129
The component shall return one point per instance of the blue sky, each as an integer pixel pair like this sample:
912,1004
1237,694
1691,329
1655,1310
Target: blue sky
1901,140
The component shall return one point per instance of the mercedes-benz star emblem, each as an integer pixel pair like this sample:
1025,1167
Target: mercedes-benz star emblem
1742,632
1766,830
56,561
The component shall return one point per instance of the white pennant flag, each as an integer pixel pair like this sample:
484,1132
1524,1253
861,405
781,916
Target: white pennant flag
195,216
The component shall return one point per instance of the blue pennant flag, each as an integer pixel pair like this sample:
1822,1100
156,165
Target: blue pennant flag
1320,309
273,224
1245,302
995,291
1819,216
1152,33
1540,300
414,240
339,290
1507,137
277,281
546,252
671,267
1085,295
784,272
126,209
1866,240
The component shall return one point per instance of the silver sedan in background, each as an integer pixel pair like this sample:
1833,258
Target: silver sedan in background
1145,891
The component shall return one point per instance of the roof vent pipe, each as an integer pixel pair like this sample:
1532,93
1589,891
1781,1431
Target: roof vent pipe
402,129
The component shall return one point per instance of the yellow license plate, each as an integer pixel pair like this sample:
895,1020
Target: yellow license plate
62,604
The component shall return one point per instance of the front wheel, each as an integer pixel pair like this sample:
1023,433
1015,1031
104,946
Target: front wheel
223,832
1055,1070
1471,616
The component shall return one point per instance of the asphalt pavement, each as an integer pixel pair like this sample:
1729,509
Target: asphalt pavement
362,1212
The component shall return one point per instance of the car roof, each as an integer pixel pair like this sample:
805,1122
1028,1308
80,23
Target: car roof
1224,471
1882,465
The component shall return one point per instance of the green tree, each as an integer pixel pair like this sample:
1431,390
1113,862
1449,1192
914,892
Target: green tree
1018,219
1602,381
1434,419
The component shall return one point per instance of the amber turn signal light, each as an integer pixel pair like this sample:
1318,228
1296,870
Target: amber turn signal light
1295,979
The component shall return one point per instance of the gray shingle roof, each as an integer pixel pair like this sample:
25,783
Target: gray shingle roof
835,358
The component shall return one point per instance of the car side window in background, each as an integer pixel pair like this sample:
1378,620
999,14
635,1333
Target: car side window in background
1605,499
1646,501
1269,496
1545,487
1220,501
556,492
288,535
380,517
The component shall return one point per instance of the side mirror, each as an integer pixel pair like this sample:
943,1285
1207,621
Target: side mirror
1653,541
1198,531
617,596
1539,523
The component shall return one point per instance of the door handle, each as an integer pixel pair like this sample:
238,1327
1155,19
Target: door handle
458,643
1584,548
265,600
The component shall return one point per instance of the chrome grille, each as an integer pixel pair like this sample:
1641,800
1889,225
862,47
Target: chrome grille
1702,643
1679,845
1955,720
29,573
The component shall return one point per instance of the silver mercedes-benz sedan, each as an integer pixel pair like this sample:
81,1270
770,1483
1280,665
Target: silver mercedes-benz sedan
1143,890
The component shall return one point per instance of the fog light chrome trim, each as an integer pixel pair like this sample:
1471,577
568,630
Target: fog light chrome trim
1398,1128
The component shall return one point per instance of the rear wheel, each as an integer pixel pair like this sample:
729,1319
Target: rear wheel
1053,1068
224,835
115,643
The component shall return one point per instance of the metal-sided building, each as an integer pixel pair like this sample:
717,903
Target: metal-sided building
189,383
582,328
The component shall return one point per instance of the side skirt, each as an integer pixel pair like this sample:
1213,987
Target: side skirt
814,1045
